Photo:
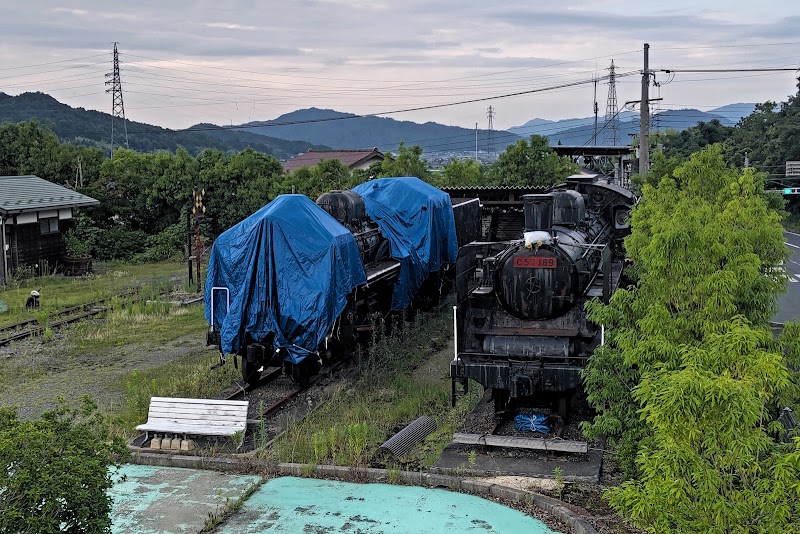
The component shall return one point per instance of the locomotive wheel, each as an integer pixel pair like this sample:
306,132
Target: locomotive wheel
300,376
251,373
500,397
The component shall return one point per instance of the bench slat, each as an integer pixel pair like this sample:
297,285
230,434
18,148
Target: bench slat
200,401
192,412
175,405
177,421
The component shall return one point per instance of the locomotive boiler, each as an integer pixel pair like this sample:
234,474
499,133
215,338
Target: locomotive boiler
521,326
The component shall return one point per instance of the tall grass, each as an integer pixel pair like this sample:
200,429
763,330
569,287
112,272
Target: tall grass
404,374
187,379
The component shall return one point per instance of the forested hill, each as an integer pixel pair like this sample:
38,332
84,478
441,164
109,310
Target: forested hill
93,127
345,130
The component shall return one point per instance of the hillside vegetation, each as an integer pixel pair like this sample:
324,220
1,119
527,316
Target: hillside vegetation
92,128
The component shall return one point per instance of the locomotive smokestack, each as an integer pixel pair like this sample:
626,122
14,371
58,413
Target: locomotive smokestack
538,211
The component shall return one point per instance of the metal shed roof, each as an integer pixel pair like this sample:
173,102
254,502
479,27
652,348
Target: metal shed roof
20,194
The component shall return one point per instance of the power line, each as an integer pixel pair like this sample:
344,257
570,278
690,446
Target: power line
388,81
750,45
668,71
53,62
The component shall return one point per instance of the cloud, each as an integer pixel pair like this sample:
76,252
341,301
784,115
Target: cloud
229,26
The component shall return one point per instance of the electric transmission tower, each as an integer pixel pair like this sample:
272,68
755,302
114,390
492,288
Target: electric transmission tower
118,108
490,113
611,125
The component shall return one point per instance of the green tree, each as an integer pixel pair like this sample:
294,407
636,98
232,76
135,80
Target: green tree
530,162
54,472
461,172
690,379
685,143
407,162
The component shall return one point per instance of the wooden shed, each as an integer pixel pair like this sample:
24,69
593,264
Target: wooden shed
34,214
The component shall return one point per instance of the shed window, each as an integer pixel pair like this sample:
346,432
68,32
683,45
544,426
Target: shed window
48,225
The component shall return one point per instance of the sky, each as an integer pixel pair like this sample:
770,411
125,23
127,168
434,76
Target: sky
230,62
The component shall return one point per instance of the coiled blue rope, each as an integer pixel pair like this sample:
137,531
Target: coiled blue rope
532,423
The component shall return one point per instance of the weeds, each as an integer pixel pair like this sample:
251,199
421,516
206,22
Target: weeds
172,380
393,472
403,374
230,507
357,435
307,470
558,474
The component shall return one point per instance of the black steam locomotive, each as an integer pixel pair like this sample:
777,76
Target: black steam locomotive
521,328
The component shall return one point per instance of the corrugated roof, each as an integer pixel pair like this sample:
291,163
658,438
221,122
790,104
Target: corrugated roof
349,158
20,194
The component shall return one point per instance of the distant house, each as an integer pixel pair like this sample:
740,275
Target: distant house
352,159
34,214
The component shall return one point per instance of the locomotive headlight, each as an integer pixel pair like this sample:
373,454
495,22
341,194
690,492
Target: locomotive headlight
622,219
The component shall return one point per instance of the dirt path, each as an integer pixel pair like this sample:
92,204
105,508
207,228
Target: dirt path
34,374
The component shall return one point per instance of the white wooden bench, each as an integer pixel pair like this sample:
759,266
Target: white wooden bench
196,417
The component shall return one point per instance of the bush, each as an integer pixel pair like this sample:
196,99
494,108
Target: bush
165,245
54,472
119,243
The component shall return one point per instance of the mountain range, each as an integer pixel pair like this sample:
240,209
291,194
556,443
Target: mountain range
90,127
346,130
301,130
580,131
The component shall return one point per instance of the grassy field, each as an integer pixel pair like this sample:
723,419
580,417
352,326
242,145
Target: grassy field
109,279
403,377
137,350
152,348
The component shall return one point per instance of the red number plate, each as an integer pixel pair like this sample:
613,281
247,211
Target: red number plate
535,262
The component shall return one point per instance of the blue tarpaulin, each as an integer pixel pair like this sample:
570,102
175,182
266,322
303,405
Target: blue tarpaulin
289,268
417,219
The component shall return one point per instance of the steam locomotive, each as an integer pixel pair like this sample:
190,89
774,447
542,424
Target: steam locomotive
521,328
295,284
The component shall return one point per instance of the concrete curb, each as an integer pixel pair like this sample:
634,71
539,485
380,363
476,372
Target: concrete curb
578,524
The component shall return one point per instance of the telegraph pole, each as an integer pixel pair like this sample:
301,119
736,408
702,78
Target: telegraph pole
490,113
476,141
594,136
644,123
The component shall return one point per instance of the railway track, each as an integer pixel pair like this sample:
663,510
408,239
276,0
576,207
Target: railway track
73,314
274,407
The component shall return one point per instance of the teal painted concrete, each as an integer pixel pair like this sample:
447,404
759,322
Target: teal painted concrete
171,500
313,506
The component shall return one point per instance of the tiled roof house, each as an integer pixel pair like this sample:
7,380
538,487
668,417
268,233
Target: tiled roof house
34,214
352,159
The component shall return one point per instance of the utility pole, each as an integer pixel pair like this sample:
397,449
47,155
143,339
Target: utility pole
594,136
644,123
117,107
476,141
490,113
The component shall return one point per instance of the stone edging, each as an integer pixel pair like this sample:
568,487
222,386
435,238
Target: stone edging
578,524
